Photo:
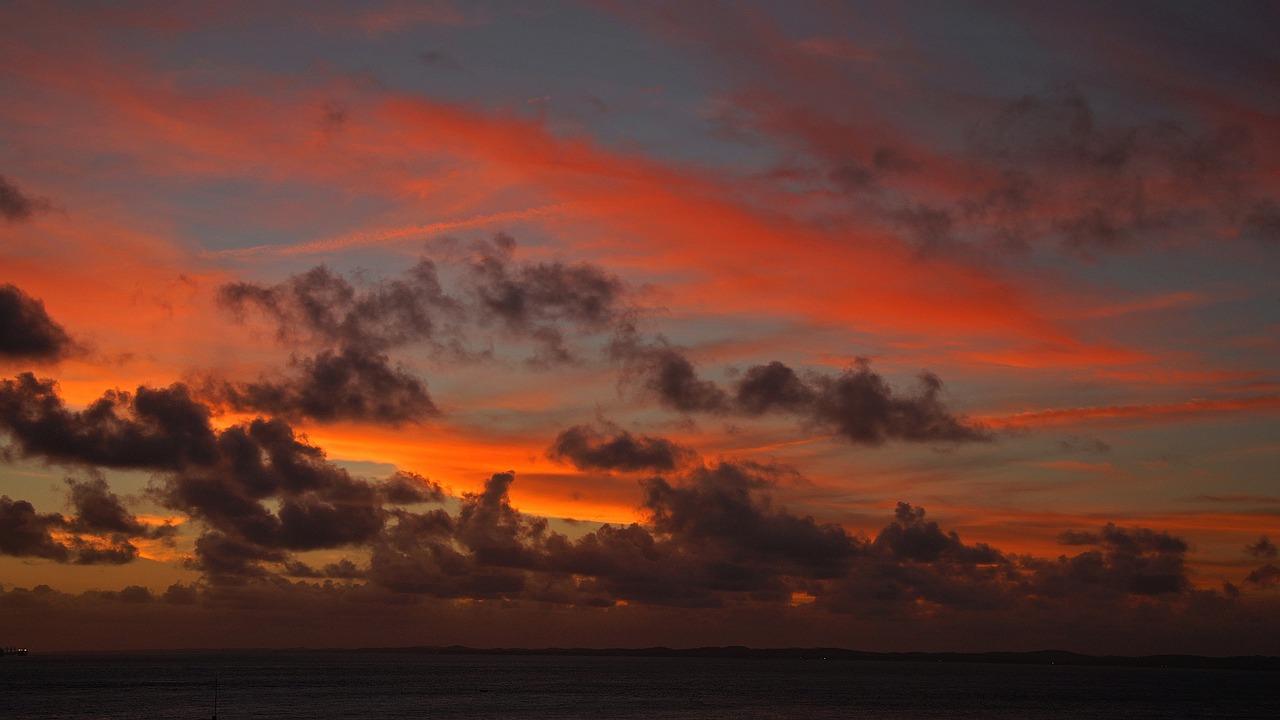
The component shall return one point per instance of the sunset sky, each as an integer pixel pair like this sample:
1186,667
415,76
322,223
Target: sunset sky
890,326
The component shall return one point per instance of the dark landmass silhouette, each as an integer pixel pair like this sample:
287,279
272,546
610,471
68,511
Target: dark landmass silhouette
1268,663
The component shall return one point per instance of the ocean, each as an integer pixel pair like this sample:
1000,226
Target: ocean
383,685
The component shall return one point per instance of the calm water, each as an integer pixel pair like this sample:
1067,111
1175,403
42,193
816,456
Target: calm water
393,685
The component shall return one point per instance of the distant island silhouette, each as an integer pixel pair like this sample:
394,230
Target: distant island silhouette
1268,663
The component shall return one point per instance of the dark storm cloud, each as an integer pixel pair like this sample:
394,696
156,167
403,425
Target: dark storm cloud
119,551
589,449
351,384
16,205
150,429
26,330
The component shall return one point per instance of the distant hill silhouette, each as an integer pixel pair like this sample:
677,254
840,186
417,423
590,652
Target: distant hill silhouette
1041,657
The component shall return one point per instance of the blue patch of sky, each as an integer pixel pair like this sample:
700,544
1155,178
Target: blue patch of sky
583,69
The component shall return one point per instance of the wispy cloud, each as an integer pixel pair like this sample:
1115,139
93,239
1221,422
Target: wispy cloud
388,236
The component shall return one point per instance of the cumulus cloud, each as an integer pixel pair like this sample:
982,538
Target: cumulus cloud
351,384
99,510
1264,577
26,330
536,299
528,301
589,449
857,404
749,542
26,533
353,328
350,377
711,536
162,428
1136,561
101,531
862,407
313,503
668,375
260,490
1263,548
409,488
327,307
912,563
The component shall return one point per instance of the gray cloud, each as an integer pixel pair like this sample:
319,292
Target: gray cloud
16,205
26,533
99,533
1266,576
589,449
712,536
352,384
353,328
329,309
1136,561
857,404
150,429
536,300
669,376
26,330
1263,548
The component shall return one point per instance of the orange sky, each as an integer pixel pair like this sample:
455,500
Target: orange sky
749,280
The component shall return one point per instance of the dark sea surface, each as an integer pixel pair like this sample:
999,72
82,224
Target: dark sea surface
319,684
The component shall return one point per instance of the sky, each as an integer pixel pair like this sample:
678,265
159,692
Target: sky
942,326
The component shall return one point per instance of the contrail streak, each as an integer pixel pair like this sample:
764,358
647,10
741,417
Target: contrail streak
386,235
